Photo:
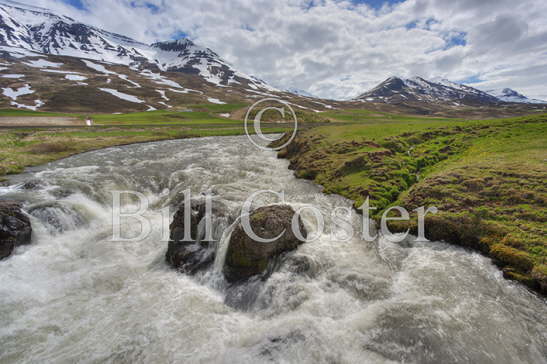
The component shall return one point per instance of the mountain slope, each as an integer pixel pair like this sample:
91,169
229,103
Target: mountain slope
52,62
396,90
509,95
41,31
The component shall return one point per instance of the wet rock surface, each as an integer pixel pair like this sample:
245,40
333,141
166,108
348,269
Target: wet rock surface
246,257
15,228
198,253
57,217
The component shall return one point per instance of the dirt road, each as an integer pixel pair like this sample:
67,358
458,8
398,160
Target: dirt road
39,121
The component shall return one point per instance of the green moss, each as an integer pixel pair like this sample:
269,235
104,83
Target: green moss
511,257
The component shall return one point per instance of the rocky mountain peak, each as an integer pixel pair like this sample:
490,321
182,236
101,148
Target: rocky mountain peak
179,45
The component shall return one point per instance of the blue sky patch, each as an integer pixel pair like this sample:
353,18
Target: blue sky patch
377,4
458,39
472,79
179,34
154,9
78,4
411,25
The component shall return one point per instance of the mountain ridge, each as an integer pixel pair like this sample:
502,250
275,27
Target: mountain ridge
45,32
510,95
418,89
394,89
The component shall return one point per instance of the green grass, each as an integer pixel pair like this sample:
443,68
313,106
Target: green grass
200,114
162,117
217,108
487,177
368,116
20,148
16,112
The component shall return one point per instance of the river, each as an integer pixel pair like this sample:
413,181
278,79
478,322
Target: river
76,296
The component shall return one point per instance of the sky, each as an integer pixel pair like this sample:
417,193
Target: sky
341,48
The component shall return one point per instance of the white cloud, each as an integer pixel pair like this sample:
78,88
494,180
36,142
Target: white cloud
292,44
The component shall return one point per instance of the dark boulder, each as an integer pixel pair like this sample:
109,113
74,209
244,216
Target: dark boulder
197,254
32,185
15,228
246,258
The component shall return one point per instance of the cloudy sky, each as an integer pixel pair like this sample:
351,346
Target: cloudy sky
338,49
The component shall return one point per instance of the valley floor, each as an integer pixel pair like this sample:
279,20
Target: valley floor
486,177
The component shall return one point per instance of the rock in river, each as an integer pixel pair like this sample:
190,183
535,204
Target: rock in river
15,228
197,254
246,257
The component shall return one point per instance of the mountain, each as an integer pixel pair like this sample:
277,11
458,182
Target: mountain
397,90
39,30
53,62
509,95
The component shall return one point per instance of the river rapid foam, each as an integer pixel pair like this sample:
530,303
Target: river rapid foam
76,296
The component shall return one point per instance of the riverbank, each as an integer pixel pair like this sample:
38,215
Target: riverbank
487,178
26,147
30,138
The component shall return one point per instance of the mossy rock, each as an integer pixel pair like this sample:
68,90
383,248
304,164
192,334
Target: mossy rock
246,257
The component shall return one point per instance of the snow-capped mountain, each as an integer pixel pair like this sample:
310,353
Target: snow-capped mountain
397,90
38,30
509,95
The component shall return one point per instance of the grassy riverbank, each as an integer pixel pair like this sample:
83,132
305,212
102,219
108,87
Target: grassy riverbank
487,178
25,147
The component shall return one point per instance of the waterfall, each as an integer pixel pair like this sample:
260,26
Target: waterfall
223,245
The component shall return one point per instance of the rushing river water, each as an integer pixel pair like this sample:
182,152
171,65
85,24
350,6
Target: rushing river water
75,296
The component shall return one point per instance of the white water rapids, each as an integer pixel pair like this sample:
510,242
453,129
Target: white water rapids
75,296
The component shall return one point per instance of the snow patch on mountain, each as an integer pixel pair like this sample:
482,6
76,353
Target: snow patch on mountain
59,71
42,63
36,106
163,96
15,93
122,96
16,52
13,75
159,79
215,101
75,78
98,67
126,78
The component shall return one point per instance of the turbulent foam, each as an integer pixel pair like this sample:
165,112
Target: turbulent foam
75,294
